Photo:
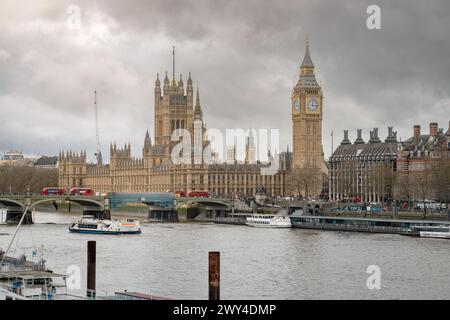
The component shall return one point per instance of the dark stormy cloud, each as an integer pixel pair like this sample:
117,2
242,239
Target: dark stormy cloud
243,55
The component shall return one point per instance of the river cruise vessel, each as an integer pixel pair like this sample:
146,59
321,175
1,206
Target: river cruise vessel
88,224
21,279
439,231
269,221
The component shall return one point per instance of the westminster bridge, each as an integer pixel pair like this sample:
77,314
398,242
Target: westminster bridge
16,205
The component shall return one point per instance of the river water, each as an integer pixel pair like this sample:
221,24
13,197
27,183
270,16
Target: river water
171,260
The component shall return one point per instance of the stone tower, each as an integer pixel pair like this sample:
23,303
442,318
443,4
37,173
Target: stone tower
307,114
174,107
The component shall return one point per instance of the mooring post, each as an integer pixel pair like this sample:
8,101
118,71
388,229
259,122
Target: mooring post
214,275
91,265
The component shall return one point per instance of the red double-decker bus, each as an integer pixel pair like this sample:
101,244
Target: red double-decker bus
180,194
49,191
198,194
82,192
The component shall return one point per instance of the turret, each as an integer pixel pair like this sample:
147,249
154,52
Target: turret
198,114
166,84
157,83
190,93
180,83
157,90
147,143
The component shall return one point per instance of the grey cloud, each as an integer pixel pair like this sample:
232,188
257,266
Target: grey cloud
244,56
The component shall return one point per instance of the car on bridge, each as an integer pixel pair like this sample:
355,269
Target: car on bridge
82,192
49,191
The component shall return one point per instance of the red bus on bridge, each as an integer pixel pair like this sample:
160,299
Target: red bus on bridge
198,194
49,191
180,194
82,192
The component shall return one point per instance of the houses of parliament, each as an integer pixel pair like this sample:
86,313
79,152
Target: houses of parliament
175,107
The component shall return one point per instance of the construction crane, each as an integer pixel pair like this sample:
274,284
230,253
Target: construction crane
98,153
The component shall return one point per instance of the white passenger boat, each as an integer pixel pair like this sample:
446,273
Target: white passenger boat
440,232
88,224
269,221
24,280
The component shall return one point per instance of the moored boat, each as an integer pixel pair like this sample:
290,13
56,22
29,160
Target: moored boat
269,221
88,224
439,232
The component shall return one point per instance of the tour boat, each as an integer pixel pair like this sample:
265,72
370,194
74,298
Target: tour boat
88,224
440,232
21,279
269,221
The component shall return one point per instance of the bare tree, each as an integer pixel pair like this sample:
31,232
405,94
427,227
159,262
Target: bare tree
21,179
422,185
401,188
306,181
440,179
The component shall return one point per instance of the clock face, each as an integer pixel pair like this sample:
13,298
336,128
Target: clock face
312,105
296,105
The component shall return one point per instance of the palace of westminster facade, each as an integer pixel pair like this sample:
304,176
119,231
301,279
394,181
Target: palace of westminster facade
176,108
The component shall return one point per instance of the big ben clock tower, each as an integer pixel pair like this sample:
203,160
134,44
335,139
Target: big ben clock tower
307,112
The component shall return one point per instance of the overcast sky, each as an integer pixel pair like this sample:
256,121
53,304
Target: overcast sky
243,55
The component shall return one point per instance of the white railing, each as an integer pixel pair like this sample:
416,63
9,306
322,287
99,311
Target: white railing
13,268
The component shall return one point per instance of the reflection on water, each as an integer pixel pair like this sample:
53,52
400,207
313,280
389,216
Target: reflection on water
172,260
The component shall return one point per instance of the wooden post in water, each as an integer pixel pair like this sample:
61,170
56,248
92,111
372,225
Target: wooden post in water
91,265
214,275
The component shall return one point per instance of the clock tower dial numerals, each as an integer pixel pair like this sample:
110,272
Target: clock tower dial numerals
312,105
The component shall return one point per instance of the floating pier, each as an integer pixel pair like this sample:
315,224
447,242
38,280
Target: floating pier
370,225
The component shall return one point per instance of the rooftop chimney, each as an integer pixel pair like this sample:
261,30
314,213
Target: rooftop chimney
433,129
359,140
345,141
392,136
374,136
416,130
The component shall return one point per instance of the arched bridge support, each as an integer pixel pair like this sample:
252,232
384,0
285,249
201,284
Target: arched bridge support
14,211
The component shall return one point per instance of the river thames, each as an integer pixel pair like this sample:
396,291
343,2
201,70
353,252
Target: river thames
171,260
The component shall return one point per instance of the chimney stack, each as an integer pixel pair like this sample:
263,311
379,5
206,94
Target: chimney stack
416,130
359,139
346,140
433,129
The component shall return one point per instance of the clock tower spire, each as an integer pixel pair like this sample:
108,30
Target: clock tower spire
307,115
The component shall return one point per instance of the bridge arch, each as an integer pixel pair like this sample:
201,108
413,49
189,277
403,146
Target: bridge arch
15,208
208,203
10,203
85,203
